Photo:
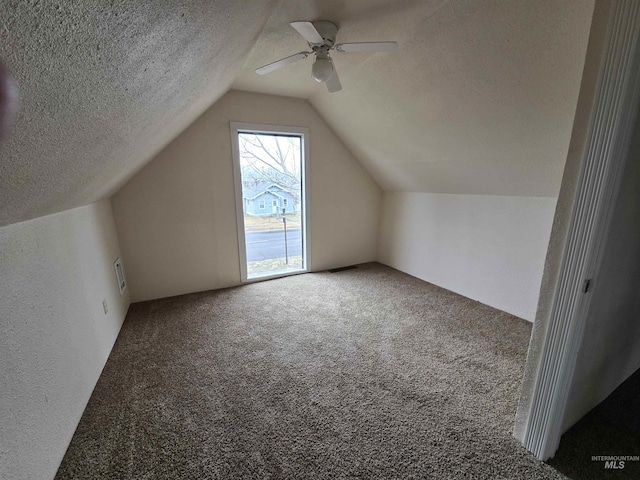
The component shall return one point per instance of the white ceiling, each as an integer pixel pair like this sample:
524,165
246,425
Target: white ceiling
479,99
105,85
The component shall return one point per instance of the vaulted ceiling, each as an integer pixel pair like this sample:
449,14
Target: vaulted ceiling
479,99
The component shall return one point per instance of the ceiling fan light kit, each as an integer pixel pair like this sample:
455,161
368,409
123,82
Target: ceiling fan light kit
322,69
321,37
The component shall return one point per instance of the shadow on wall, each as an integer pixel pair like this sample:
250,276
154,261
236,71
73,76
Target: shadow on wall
8,102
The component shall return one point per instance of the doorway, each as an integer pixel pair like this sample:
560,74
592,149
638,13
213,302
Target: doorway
573,364
270,173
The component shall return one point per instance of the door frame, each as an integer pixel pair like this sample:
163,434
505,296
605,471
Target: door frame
605,118
303,133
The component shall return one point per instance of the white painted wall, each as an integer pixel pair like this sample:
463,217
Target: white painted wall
488,248
55,337
176,218
610,350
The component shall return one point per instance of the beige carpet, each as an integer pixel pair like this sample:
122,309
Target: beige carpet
366,373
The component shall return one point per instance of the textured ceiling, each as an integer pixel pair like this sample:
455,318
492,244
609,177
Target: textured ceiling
106,84
479,99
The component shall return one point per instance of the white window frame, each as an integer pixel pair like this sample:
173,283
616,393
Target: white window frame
261,205
303,133
285,202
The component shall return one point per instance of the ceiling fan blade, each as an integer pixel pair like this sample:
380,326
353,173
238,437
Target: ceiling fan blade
333,84
281,63
367,47
308,31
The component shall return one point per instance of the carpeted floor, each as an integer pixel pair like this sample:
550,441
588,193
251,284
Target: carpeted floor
365,373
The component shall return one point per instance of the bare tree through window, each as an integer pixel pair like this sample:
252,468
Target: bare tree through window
271,159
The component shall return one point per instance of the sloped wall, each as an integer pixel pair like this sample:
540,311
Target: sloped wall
176,218
488,248
55,337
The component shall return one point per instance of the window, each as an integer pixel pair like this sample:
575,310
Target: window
268,157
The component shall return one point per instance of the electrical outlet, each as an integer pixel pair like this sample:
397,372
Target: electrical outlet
105,306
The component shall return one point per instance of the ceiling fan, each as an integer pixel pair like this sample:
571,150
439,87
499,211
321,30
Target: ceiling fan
321,37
